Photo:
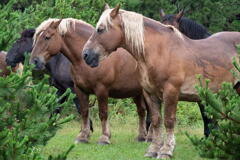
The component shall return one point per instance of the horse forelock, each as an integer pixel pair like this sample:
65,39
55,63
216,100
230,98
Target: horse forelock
133,28
66,25
105,19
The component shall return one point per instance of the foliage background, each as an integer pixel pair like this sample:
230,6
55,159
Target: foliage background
16,15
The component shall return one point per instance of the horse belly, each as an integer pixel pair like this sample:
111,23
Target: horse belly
188,91
125,93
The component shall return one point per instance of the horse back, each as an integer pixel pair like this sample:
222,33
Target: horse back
228,37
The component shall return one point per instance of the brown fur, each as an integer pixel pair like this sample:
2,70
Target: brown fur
4,71
169,68
116,76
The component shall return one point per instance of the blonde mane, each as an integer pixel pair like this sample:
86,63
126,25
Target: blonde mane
66,25
133,28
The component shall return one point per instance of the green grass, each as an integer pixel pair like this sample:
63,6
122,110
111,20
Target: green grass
123,147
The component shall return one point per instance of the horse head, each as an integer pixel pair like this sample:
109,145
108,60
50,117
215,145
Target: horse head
171,19
23,45
47,43
107,37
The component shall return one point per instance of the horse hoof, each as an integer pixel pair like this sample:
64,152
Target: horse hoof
103,143
104,140
140,139
81,141
151,154
164,156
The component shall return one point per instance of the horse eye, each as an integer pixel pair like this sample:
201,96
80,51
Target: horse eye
100,30
47,38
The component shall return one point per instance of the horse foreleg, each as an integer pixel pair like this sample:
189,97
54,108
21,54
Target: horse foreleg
141,108
84,111
156,144
170,99
102,97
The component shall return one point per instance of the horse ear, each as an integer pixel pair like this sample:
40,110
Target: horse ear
162,14
31,32
55,25
106,6
115,11
179,15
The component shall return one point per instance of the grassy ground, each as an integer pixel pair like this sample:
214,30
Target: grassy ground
123,147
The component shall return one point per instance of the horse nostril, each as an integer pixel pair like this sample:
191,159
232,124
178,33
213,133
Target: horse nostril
85,56
35,61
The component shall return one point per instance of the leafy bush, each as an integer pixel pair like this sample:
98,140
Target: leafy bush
27,116
188,114
217,15
224,108
15,21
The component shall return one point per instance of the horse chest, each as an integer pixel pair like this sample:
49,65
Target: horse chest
82,80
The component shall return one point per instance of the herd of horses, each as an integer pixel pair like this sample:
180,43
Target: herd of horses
129,56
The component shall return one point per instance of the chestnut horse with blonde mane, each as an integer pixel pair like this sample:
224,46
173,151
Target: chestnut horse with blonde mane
168,62
118,79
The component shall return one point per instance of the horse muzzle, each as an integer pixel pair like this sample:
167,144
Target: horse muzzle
91,58
38,62
10,63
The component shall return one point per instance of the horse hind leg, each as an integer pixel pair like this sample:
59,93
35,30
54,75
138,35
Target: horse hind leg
170,98
103,115
141,108
206,120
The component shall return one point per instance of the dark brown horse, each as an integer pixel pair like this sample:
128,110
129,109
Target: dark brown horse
4,71
168,62
187,26
117,80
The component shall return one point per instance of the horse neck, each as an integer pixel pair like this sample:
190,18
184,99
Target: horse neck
52,64
73,43
192,29
151,28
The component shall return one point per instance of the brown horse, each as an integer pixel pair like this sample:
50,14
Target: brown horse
4,71
168,62
118,79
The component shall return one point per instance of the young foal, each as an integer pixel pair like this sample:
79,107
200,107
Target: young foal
168,62
192,30
187,26
118,80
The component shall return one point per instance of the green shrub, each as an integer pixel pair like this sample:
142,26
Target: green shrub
188,114
27,116
224,109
